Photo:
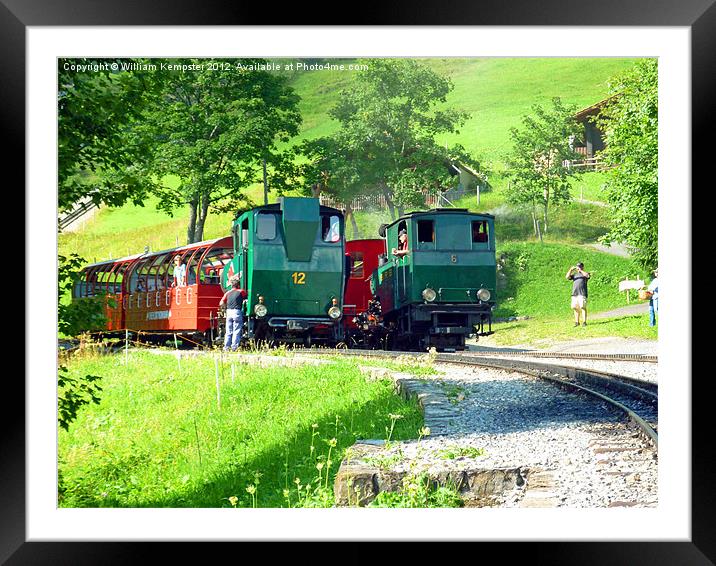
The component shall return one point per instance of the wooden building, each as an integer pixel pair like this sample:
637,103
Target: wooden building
592,140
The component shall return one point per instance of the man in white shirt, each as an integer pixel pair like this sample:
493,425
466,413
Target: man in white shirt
179,273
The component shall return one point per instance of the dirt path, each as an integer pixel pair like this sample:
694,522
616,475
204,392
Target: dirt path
600,345
634,308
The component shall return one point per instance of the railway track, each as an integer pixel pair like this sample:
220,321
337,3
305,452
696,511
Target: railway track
637,400
639,358
612,460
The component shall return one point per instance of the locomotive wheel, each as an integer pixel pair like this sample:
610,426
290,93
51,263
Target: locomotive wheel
341,346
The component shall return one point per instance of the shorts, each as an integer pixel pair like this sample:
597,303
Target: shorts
579,302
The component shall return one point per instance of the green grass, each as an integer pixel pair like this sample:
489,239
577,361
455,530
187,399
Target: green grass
160,439
544,332
496,92
531,279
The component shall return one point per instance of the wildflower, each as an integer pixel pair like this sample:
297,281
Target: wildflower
286,493
425,431
395,417
319,466
332,442
233,500
314,425
251,489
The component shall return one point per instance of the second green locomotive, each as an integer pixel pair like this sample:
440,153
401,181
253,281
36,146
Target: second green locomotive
442,289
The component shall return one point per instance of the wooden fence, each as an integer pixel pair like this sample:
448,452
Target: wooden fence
80,210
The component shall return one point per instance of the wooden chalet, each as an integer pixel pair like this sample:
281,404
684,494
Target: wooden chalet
592,141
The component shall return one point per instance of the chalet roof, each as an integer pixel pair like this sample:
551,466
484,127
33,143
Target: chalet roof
594,109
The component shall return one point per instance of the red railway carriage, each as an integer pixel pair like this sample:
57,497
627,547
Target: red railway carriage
363,261
146,299
106,277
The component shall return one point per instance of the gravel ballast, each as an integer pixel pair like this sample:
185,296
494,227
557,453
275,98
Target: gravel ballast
513,421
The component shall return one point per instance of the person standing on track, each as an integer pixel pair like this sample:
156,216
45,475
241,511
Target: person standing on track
579,279
234,300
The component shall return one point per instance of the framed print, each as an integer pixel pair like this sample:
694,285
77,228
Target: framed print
36,35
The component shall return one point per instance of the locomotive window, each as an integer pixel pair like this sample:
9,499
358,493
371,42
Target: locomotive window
330,228
426,231
479,232
265,226
245,233
357,265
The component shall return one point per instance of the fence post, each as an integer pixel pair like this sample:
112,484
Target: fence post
218,387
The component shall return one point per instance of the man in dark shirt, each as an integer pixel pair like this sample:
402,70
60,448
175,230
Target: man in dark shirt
579,279
233,299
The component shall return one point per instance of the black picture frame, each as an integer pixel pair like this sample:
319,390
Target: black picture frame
698,15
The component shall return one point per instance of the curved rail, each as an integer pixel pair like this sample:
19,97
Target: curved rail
565,376
565,355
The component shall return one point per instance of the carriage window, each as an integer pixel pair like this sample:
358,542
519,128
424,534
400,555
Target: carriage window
119,277
426,231
192,266
138,282
479,232
266,226
330,228
153,282
357,265
99,281
166,270
213,265
157,274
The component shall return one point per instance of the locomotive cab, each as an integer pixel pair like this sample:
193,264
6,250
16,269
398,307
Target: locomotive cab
290,258
443,289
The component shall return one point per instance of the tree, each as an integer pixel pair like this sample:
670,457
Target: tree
332,169
539,171
215,128
389,117
98,157
630,124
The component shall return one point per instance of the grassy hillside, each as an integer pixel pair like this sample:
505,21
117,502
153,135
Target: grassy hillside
496,92
532,278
